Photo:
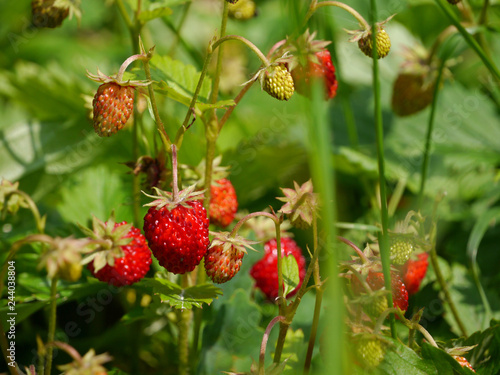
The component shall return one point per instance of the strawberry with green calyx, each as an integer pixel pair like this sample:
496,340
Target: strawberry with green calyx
375,280
301,204
52,13
312,61
413,89
176,226
277,81
122,256
224,256
113,102
265,271
365,43
223,198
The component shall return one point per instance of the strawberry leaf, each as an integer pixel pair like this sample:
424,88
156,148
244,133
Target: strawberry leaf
179,298
290,273
444,362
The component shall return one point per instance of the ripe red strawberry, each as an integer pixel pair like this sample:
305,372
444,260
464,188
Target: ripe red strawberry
265,271
46,14
223,203
113,106
375,281
132,266
277,81
177,230
322,69
413,272
464,362
223,258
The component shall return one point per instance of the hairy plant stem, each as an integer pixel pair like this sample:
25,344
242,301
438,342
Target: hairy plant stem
184,322
428,140
265,338
444,288
210,50
159,123
379,132
52,325
319,299
315,5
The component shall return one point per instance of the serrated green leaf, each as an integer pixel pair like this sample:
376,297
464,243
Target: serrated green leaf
148,15
179,298
445,363
400,359
291,276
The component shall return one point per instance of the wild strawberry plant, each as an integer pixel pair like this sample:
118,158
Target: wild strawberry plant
155,156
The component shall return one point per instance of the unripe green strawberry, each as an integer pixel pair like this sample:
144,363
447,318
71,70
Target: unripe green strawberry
46,14
277,82
401,249
242,9
464,362
370,351
383,44
113,105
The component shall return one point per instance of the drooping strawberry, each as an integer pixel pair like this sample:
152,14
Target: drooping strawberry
370,350
464,362
265,271
383,44
277,81
176,228
413,272
364,38
309,60
52,13
47,14
223,203
375,281
320,67
113,102
128,258
413,89
224,257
